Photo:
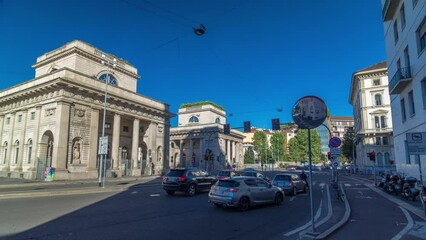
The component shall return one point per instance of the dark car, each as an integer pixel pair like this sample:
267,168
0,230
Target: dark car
290,183
254,173
225,174
187,180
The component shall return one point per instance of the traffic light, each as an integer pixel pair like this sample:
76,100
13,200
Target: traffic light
227,129
372,156
276,124
329,155
247,126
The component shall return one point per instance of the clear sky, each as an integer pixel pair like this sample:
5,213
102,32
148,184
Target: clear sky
257,56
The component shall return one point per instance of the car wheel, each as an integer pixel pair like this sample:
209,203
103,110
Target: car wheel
294,192
278,199
217,204
191,190
244,204
169,192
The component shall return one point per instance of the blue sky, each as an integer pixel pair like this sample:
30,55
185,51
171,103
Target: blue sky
256,56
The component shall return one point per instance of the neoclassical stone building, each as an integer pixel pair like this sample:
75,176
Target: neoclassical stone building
199,140
56,119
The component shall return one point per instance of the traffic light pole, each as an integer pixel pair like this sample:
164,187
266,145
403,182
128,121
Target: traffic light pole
310,180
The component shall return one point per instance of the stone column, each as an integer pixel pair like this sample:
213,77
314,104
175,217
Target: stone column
202,152
35,141
93,140
228,150
9,142
191,150
2,119
234,155
116,141
60,140
22,142
181,153
135,144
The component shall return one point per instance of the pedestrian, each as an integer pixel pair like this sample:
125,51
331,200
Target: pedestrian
304,177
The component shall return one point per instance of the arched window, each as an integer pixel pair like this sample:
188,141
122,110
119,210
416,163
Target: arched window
4,152
193,119
387,158
112,79
217,120
378,99
16,151
29,150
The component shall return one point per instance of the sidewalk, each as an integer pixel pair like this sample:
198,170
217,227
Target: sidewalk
338,214
19,188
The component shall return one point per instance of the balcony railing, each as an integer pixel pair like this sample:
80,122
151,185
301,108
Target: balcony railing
376,130
389,9
400,80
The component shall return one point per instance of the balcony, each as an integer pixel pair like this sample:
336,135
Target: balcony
376,131
389,9
400,80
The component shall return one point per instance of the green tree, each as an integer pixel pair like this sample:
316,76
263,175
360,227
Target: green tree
249,156
277,146
348,141
260,142
298,146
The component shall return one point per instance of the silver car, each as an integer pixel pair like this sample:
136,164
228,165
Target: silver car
244,192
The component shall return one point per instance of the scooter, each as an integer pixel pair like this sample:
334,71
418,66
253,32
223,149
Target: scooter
409,190
393,182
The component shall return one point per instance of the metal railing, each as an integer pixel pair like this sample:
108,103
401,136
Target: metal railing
402,73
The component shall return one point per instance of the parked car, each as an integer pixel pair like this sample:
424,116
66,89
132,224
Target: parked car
290,183
187,180
255,173
225,174
243,192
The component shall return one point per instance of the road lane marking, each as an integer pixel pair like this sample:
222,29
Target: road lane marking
292,198
407,228
308,224
347,185
154,195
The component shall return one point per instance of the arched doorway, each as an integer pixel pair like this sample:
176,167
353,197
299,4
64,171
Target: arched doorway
44,155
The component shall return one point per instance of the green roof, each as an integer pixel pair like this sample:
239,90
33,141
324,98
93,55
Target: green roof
186,105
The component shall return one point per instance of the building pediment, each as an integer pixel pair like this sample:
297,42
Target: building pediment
380,111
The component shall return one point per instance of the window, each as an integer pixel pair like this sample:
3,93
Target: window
111,81
8,121
107,125
193,120
5,152
376,82
30,148
403,112
407,57
172,145
423,83
125,128
378,141
383,122
377,122
416,159
217,120
32,115
378,99
141,129
402,11
395,32
408,161
19,118
421,36
411,103
16,151
385,140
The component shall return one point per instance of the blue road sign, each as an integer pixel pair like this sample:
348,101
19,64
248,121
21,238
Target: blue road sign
335,142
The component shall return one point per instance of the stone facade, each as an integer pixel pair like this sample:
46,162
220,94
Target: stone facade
56,119
199,140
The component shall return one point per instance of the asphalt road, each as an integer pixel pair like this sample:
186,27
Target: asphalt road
145,211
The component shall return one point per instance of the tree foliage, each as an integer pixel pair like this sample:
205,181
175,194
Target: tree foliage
298,146
260,142
348,140
249,156
277,146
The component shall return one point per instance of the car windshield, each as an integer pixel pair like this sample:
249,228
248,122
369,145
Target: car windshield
175,173
282,178
228,183
224,173
249,174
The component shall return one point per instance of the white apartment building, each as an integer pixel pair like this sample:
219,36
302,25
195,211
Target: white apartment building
55,120
199,140
369,96
339,125
404,24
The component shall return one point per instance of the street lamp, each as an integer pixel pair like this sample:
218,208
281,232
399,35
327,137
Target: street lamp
102,165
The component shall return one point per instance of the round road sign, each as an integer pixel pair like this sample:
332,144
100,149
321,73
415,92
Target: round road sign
335,163
335,142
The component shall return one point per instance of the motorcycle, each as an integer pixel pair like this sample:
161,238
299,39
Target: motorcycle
409,190
393,182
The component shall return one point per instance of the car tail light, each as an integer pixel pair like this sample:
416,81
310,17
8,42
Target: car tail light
233,190
182,179
424,198
290,184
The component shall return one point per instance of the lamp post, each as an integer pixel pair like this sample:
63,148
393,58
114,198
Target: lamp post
102,164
